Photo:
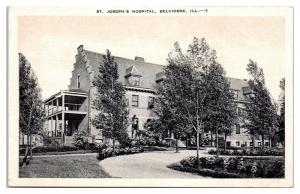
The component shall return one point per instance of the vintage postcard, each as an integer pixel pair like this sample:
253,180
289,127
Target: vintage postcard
150,97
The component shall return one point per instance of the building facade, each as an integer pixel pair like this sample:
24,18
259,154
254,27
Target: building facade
72,110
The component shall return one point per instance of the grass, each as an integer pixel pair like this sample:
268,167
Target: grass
81,166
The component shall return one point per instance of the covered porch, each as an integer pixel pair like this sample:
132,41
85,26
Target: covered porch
66,113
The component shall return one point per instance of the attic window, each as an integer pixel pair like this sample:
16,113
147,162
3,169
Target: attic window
136,81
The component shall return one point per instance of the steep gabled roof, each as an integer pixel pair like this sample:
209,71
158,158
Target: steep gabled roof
150,72
132,71
146,70
240,86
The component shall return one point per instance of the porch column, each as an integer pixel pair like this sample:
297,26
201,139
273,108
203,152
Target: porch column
51,107
63,119
48,109
48,127
51,125
56,125
56,104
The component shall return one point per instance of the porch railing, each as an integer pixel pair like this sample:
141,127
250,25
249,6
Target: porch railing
71,106
52,134
68,106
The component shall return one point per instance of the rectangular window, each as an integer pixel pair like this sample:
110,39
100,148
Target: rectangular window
136,81
150,102
135,101
259,144
235,94
251,143
237,143
127,101
228,144
78,81
237,129
267,144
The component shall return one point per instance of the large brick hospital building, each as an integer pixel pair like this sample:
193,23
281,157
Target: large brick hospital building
71,110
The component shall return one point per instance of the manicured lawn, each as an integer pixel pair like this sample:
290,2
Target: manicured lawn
63,166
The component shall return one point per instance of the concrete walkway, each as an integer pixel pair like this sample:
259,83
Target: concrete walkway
148,165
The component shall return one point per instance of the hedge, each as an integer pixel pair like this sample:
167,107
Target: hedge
108,152
234,167
249,152
204,172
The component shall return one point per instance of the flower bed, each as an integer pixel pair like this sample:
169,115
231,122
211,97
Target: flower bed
237,167
108,152
249,152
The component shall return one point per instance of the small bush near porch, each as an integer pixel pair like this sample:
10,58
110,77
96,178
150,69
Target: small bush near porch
79,166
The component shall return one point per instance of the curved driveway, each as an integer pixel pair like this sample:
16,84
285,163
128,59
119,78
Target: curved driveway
147,165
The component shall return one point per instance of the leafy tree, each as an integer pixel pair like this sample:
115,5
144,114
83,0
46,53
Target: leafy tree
222,108
168,102
110,101
281,118
210,102
31,113
186,91
261,114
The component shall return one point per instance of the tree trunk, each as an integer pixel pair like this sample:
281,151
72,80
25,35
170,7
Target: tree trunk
23,139
211,139
217,142
27,140
30,146
113,153
225,139
25,157
177,150
263,141
253,143
187,142
197,139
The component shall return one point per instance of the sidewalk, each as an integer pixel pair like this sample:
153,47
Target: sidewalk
147,165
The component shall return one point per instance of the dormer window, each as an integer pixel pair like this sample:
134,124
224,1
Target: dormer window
133,76
235,94
136,81
160,77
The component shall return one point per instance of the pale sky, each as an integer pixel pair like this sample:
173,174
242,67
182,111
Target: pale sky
50,42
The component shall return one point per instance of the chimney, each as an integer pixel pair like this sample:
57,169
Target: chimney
140,59
80,48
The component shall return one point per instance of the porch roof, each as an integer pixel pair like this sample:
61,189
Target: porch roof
73,92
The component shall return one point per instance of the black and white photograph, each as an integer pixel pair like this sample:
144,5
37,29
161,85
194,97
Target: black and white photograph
171,97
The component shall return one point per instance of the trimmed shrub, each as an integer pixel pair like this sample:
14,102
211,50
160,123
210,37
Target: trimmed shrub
249,152
233,167
108,152
204,172
81,140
